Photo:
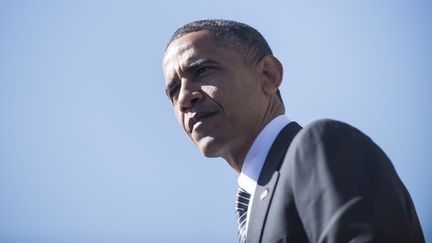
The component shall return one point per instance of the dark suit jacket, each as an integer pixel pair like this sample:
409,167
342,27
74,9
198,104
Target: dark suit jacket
328,182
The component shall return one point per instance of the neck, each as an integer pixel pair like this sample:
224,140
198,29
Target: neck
237,156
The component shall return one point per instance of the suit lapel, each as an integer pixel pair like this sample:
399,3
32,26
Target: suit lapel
267,181
260,208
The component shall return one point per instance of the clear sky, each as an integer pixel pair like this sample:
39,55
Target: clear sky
90,150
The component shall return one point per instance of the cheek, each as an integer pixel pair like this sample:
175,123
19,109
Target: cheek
210,90
179,116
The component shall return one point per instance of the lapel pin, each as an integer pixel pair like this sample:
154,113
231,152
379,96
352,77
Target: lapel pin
264,194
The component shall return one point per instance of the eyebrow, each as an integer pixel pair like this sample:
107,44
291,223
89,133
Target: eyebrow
195,65
190,68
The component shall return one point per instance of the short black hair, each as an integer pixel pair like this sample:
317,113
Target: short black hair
233,35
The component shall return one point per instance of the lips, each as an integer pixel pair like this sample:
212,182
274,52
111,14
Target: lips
197,117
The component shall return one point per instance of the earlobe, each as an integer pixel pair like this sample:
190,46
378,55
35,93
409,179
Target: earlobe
272,71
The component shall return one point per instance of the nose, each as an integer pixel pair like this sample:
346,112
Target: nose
189,96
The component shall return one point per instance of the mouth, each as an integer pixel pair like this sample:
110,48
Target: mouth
199,117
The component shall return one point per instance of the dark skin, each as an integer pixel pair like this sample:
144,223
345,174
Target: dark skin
221,100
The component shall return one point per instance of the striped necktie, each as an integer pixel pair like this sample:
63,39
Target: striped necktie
242,203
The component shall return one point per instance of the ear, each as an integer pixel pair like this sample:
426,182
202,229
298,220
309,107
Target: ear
272,73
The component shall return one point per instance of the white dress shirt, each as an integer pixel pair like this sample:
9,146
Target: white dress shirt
256,156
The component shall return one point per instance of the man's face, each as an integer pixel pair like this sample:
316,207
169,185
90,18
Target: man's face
217,97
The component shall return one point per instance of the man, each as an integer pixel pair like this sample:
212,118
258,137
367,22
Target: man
326,182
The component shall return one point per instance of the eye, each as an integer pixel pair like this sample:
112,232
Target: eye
202,70
172,93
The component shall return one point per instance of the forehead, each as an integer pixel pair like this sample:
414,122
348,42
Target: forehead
195,40
193,47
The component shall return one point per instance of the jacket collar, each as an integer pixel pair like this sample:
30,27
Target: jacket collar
267,181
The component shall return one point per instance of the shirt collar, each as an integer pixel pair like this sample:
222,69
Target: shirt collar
257,153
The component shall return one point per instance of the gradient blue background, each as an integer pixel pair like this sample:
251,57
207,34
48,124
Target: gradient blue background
90,150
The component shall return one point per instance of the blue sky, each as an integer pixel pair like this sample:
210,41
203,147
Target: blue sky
90,150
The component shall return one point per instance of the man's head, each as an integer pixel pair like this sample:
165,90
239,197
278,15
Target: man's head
230,34
223,83
233,35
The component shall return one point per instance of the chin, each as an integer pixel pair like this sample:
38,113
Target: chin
209,147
